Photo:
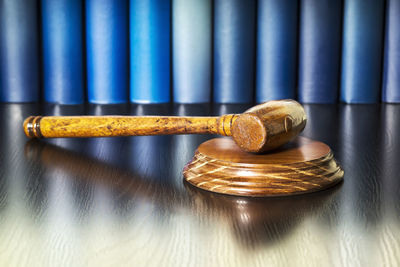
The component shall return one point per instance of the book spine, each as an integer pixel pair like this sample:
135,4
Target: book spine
107,50
276,49
362,51
391,69
234,45
192,50
62,51
150,51
19,49
319,51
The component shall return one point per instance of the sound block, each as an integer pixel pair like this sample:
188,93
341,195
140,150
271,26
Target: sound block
301,166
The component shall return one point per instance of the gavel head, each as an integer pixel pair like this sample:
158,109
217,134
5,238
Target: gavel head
269,125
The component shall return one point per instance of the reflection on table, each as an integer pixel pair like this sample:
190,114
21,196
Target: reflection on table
108,201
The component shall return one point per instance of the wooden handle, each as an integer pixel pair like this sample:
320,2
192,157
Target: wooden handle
261,128
106,126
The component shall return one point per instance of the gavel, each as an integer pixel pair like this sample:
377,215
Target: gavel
261,128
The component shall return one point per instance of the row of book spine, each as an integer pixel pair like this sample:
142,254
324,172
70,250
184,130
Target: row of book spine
193,51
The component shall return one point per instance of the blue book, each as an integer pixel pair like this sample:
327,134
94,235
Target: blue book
319,51
19,49
234,55
150,51
107,51
362,51
391,69
62,51
191,50
276,49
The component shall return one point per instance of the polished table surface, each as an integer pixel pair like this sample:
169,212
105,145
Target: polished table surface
122,201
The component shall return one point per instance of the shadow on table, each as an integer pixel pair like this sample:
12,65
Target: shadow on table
254,221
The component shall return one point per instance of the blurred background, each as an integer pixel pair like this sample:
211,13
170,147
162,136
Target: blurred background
198,51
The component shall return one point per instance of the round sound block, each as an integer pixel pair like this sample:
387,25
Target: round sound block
302,166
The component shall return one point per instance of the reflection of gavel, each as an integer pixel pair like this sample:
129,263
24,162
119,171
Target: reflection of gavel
254,221
259,129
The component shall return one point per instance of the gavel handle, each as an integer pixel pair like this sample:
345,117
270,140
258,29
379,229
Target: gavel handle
105,126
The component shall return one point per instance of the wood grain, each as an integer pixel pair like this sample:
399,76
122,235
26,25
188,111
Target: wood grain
301,167
269,125
108,126
124,202
261,128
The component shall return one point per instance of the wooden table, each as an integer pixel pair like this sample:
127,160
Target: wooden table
122,201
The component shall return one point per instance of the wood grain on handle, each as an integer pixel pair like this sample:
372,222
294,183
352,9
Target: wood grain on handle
259,129
106,126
